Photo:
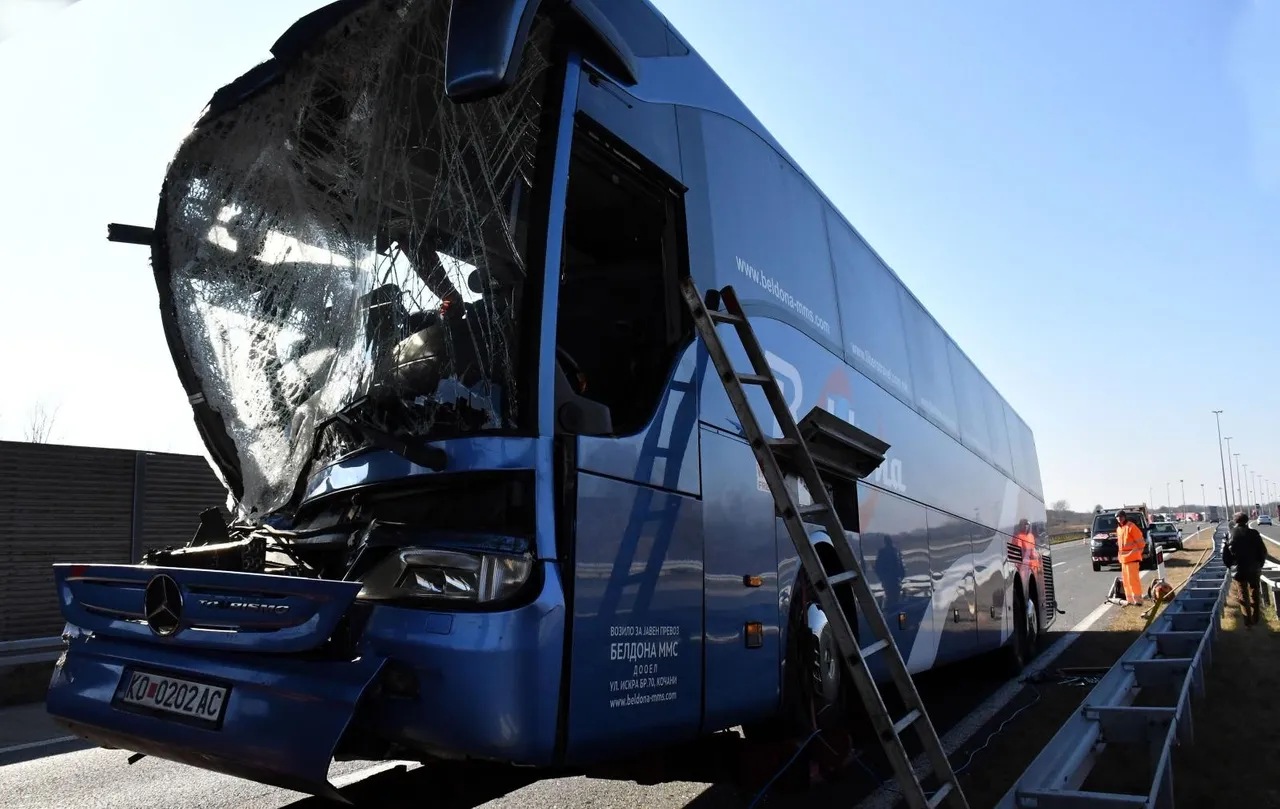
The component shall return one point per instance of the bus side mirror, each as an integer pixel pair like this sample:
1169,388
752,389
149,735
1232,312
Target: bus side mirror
487,37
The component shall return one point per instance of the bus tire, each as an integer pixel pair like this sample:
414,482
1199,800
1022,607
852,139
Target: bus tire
1025,642
815,692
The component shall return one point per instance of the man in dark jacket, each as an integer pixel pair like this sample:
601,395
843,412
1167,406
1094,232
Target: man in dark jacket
1248,553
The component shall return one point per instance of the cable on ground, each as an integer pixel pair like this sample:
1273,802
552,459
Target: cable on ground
760,795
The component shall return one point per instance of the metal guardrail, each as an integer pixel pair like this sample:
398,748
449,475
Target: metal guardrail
1173,651
34,650
1271,588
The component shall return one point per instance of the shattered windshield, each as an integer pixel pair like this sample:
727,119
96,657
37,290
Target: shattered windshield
349,235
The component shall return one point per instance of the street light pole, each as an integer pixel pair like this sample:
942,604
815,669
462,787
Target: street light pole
1244,484
1227,488
1239,496
1205,500
1183,484
1167,496
1217,418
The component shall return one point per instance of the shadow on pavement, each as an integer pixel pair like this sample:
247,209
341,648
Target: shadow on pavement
451,786
735,770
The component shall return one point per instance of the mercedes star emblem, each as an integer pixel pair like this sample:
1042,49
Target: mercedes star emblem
163,605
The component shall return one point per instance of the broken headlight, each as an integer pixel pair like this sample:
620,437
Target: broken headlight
446,575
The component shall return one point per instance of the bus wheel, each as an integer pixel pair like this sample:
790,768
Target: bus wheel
1026,632
815,700
826,696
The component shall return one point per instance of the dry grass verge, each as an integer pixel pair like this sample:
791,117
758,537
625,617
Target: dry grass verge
1231,762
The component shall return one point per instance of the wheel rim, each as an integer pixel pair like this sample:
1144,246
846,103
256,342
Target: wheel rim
1031,622
825,674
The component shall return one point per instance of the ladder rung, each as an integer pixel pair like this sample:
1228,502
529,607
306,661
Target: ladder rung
812,508
772,455
841,578
725,317
875,647
905,722
941,795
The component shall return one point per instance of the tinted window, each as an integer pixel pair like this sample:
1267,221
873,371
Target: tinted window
930,368
1107,523
974,429
643,30
870,315
1026,468
767,221
1032,474
1001,453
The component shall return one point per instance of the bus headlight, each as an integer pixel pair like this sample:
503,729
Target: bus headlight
446,575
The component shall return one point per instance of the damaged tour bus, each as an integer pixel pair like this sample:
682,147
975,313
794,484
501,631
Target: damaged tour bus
419,274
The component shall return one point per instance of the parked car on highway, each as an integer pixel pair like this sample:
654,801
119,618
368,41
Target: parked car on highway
1102,538
1166,535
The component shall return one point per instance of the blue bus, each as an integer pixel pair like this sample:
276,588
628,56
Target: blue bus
419,275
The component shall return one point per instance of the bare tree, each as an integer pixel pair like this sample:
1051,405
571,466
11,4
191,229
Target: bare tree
40,425
1060,505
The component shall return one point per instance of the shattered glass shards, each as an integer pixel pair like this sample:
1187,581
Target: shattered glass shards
348,232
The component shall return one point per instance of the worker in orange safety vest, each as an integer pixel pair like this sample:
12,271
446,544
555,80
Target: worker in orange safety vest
1130,543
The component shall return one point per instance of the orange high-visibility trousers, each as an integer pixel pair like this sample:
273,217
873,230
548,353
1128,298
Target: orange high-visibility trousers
1132,578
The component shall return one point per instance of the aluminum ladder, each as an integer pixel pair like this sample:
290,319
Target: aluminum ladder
795,450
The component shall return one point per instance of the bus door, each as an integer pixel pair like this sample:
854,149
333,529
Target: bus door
635,532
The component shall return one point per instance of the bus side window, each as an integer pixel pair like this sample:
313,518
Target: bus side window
620,320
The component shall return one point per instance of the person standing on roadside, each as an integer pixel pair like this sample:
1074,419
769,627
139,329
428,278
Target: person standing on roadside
1248,554
1130,543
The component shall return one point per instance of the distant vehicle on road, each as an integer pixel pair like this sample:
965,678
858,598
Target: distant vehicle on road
1102,537
1166,535
1265,519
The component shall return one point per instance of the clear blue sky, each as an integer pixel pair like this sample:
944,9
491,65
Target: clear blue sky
1085,194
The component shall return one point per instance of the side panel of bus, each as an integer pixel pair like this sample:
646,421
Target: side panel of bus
842,333
833,319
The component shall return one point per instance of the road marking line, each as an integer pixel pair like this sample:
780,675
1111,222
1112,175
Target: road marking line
17,748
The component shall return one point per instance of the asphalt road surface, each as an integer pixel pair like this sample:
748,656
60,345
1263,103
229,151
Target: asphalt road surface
1272,534
63,775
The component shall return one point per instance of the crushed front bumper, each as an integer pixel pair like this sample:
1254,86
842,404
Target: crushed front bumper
282,720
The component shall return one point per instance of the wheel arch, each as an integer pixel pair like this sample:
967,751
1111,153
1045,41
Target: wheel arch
795,615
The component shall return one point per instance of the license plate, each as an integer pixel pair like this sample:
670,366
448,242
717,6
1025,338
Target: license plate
202,702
